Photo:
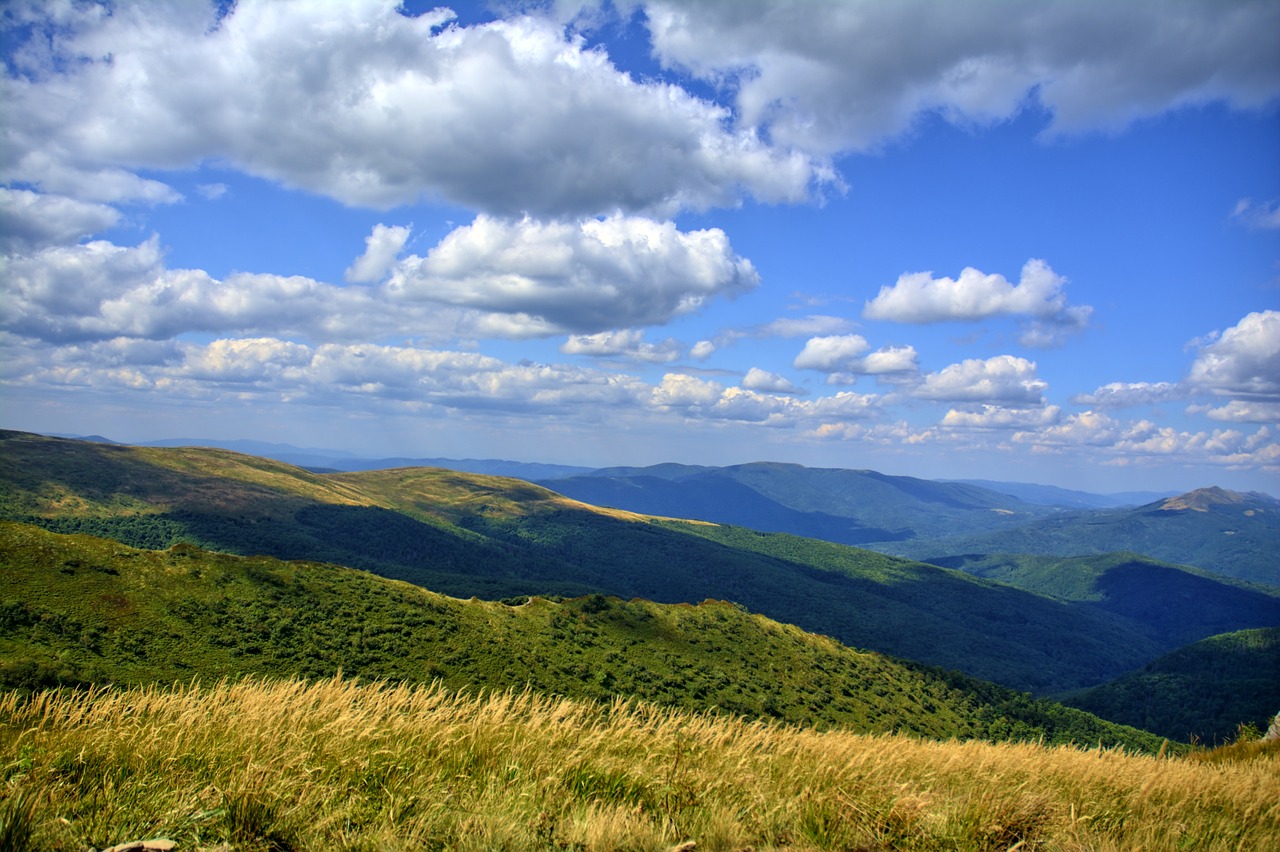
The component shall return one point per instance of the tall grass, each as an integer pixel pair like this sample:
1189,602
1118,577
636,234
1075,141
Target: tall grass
335,765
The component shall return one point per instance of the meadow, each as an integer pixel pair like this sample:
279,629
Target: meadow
334,764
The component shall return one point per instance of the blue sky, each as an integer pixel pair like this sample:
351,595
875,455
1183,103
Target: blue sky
1034,241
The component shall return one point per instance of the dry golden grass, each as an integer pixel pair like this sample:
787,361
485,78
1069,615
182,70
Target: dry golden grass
335,765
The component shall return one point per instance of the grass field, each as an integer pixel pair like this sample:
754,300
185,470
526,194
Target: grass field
336,765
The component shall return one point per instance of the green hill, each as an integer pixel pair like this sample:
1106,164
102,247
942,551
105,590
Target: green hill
1203,691
469,535
79,609
1175,604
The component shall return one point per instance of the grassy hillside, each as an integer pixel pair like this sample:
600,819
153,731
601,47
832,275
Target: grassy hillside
1176,604
1224,532
464,535
1204,691
78,609
333,765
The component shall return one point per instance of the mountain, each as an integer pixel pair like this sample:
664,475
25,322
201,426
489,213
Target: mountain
1050,495
1176,604
1225,532
470,535
859,507
80,609
1202,692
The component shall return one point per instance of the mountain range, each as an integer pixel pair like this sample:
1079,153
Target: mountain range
471,535
1230,534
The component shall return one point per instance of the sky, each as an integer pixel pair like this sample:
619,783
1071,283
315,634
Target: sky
1022,241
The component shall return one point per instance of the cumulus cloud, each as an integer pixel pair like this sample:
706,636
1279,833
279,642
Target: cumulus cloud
1244,411
31,220
1129,394
1123,442
1243,362
580,277
831,354
628,345
380,250
1000,417
700,398
490,279
394,108
838,76
757,379
1004,379
841,358
918,297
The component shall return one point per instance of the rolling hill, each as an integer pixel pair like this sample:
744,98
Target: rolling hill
1177,604
80,609
469,535
1202,692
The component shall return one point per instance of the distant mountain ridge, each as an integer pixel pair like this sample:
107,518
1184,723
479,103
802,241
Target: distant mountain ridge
1051,495
1229,533
857,507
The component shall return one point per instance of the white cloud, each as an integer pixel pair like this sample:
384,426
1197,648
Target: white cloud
920,298
889,360
831,354
1260,215
392,109
380,250
1245,411
627,345
679,390
698,398
1244,362
1128,394
1000,417
579,277
31,220
1004,379
489,279
757,379
839,75
1142,441
702,350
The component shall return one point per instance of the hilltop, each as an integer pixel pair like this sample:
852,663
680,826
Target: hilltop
470,535
79,609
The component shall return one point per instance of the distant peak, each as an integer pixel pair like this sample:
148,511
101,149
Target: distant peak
1201,499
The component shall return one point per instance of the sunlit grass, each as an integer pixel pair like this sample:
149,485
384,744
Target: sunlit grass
336,765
